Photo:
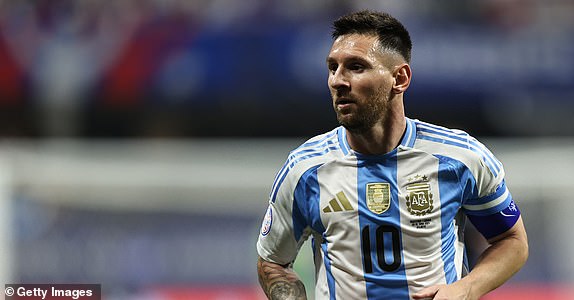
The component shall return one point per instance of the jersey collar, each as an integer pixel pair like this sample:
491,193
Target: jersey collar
410,134
408,139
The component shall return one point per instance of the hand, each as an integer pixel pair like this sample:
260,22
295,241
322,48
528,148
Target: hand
455,291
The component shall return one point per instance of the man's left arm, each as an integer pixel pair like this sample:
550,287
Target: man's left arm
506,254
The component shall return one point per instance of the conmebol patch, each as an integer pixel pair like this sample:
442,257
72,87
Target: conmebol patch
266,226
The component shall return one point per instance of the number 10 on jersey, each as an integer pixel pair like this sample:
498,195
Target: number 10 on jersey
387,245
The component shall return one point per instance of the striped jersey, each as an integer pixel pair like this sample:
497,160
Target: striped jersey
384,226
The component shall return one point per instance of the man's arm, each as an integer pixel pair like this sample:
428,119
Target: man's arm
505,256
280,282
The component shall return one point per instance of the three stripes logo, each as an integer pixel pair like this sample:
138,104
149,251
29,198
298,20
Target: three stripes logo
339,203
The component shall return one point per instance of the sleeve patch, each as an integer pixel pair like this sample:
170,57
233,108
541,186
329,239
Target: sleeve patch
267,222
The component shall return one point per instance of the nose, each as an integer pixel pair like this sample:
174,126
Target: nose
338,80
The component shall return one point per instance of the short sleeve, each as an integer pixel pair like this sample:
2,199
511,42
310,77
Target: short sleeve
282,230
489,205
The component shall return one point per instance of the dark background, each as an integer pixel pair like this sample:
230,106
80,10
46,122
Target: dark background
137,69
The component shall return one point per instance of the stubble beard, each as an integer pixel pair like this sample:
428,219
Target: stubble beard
365,116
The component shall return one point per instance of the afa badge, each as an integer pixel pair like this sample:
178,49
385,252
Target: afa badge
378,197
267,222
419,198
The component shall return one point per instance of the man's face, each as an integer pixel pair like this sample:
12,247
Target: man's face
359,81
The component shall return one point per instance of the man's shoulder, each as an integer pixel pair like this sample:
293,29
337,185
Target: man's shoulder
312,154
454,144
319,144
445,137
316,151
329,135
422,126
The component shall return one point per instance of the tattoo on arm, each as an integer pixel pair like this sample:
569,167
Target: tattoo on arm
279,282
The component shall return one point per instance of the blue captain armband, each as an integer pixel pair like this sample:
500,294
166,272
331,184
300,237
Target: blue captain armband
495,224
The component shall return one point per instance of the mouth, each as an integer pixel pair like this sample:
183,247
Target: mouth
342,103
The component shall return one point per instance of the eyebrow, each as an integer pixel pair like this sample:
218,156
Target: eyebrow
349,58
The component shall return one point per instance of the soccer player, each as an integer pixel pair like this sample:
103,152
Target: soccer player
383,196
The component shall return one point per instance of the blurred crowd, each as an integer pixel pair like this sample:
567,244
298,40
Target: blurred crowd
177,68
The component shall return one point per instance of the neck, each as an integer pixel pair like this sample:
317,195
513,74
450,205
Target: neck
382,138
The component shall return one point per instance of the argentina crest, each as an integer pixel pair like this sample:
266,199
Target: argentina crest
378,197
419,197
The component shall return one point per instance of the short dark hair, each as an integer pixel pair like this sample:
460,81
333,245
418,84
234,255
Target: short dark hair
390,32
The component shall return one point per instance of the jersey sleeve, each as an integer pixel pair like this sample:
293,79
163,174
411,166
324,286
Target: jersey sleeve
488,202
284,227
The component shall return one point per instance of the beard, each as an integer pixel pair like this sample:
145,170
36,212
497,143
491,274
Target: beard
362,117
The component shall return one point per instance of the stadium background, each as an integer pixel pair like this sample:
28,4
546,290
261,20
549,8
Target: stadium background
139,139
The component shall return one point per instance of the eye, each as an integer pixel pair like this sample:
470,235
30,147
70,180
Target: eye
356,67
332,67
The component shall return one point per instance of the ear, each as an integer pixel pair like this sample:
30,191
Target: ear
402,77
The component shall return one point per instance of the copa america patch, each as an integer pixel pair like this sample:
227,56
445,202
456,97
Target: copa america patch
266,226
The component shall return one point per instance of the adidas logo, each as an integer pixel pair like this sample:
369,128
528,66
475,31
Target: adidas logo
342,205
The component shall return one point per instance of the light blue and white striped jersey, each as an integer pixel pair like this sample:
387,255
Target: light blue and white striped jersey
383,226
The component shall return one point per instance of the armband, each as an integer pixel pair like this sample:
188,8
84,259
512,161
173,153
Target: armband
492,225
